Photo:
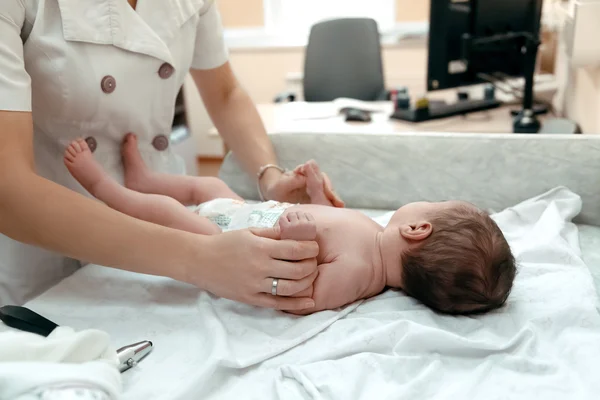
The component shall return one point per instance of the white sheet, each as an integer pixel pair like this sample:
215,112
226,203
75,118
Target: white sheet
544,344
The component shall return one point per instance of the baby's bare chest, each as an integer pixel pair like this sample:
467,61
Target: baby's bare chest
342,232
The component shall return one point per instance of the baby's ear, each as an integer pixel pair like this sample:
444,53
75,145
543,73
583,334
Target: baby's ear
416,231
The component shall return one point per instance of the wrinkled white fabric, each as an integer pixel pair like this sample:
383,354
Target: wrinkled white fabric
31,364
544,344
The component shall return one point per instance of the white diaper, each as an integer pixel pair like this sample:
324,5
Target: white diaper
232,215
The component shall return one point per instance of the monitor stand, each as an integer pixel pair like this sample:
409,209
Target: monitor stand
439,109
525,121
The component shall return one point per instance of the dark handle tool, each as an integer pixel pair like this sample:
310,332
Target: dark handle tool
26,320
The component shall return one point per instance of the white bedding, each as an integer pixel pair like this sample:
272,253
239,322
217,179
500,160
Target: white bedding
544,344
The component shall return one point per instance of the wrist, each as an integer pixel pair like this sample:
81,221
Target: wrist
194,251
267,177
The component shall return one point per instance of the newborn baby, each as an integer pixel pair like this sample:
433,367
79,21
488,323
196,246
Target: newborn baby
451,256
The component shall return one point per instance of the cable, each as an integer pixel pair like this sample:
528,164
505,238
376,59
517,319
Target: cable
547,104
506,79
513,91
494,82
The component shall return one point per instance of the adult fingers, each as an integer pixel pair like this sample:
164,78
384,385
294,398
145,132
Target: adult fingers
293,182
292,271
292,250
287,287
284,303
267,233
299,169
308,292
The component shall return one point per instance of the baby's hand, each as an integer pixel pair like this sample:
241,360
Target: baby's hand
298,226
318,186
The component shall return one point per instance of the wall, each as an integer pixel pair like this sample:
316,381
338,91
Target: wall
578,97
264,72
250,13
583,99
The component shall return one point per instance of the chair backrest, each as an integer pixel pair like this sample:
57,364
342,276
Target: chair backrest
343,59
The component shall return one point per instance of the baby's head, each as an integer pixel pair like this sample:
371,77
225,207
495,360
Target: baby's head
454,257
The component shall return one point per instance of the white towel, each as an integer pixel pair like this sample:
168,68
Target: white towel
32,364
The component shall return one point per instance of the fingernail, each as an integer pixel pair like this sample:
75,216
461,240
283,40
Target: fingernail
309,304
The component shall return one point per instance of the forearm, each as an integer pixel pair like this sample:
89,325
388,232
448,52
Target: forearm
237,120
36,211
242,129
244,133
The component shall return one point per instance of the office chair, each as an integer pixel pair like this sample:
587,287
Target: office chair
343,59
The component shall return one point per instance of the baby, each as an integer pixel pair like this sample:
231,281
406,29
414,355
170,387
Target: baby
451,256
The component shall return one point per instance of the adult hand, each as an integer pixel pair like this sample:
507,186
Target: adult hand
291,187
241,265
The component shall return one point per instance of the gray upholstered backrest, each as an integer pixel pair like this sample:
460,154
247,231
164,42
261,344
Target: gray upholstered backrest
343,59
490,170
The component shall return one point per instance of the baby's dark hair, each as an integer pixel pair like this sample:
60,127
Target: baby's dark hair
464,267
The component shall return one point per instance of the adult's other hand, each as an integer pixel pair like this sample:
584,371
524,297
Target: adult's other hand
291,187
241,266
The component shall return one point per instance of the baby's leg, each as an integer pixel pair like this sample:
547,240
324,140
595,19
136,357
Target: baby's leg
188,190
157,209
298,226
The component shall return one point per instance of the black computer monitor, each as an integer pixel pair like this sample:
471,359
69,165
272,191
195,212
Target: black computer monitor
456,23
477,41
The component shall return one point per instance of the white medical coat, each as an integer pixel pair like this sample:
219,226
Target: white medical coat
96,69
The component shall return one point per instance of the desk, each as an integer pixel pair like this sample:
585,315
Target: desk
284,118
294,118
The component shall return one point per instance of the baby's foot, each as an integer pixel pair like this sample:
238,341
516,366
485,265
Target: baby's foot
81,164
136,172
315,185
298,226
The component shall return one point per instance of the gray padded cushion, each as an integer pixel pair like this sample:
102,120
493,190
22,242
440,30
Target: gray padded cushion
490,170
589,240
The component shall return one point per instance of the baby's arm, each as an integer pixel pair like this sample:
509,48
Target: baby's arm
340,282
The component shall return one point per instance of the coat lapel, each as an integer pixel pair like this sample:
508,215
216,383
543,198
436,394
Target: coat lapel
147,30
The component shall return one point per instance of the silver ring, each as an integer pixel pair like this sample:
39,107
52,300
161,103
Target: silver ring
274,286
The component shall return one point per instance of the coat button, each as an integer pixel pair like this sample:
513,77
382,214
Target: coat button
160,142
108,84
165,71
92,144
